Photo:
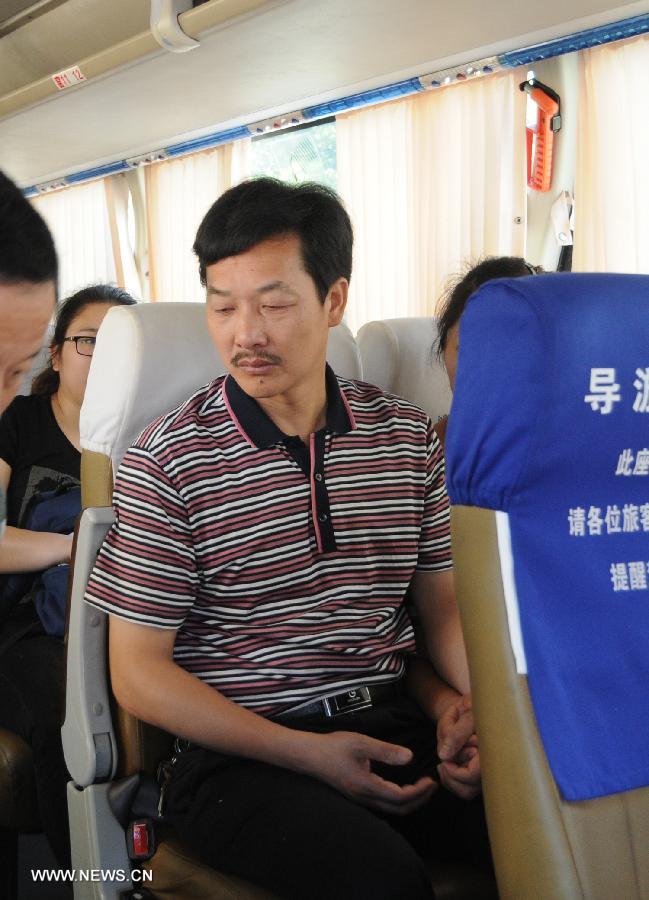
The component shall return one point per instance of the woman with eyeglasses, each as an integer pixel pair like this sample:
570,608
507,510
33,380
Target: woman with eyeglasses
40,470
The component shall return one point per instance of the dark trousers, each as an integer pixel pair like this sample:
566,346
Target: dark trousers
302,840
31,705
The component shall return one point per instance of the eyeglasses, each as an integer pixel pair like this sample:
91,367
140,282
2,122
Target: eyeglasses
84,343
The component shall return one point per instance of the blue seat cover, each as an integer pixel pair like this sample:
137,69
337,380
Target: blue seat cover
550,423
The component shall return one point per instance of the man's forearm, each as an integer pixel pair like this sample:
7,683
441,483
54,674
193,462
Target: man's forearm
427,689
445,645
162,693
433,595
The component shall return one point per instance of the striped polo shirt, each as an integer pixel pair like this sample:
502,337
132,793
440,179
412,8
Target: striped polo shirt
283,565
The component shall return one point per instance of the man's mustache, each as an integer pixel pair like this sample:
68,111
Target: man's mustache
258,354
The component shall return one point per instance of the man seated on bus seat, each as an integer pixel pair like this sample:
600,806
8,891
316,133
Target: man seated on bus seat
266,532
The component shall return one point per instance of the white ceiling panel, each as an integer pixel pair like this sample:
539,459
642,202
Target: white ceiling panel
73,30
290,54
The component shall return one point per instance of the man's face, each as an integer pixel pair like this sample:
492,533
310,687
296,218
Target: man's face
25,311
267,321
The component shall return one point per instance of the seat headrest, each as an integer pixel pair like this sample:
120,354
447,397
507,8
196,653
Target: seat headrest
531,351
151,357
343,354
148,358
549,424
399,356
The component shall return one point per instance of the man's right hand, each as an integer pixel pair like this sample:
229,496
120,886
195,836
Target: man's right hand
344,759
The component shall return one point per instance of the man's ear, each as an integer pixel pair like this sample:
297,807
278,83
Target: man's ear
337,301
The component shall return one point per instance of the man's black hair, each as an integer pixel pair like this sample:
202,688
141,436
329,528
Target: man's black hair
458,292
26,247
264,208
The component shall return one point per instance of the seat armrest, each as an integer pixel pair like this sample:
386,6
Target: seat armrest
88,738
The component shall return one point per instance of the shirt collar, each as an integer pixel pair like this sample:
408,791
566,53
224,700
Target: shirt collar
260,430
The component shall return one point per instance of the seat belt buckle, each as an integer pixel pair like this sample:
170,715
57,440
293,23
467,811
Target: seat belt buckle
140,839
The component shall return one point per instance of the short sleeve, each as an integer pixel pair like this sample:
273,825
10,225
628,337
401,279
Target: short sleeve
146,571
9,429
435,538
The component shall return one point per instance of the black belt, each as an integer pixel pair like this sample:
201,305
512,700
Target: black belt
332,705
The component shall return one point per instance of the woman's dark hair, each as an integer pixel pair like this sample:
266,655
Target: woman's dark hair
47,381
263,208
26,247
457,293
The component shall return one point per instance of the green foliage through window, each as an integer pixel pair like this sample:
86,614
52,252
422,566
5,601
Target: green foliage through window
298,154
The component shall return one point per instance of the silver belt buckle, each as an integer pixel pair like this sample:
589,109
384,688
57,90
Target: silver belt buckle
347,702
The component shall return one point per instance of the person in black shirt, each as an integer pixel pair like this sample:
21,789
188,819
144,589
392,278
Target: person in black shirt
39,452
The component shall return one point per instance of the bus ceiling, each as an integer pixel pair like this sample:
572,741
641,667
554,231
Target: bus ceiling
94,79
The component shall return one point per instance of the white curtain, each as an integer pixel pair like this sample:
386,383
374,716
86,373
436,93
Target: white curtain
79,222
118,193
612,184
179,193
432,183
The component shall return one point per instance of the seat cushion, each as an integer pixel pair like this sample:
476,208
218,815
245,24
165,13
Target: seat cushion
455,881
179,874
18,806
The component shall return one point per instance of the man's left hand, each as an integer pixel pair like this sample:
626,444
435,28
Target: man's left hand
455,727
457,747
462,779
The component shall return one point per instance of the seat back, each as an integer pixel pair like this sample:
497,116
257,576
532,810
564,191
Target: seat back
546,452
147,360
399,356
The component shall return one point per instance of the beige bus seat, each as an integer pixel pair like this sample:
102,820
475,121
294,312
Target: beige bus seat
544,846
399,356
130,383
148,359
